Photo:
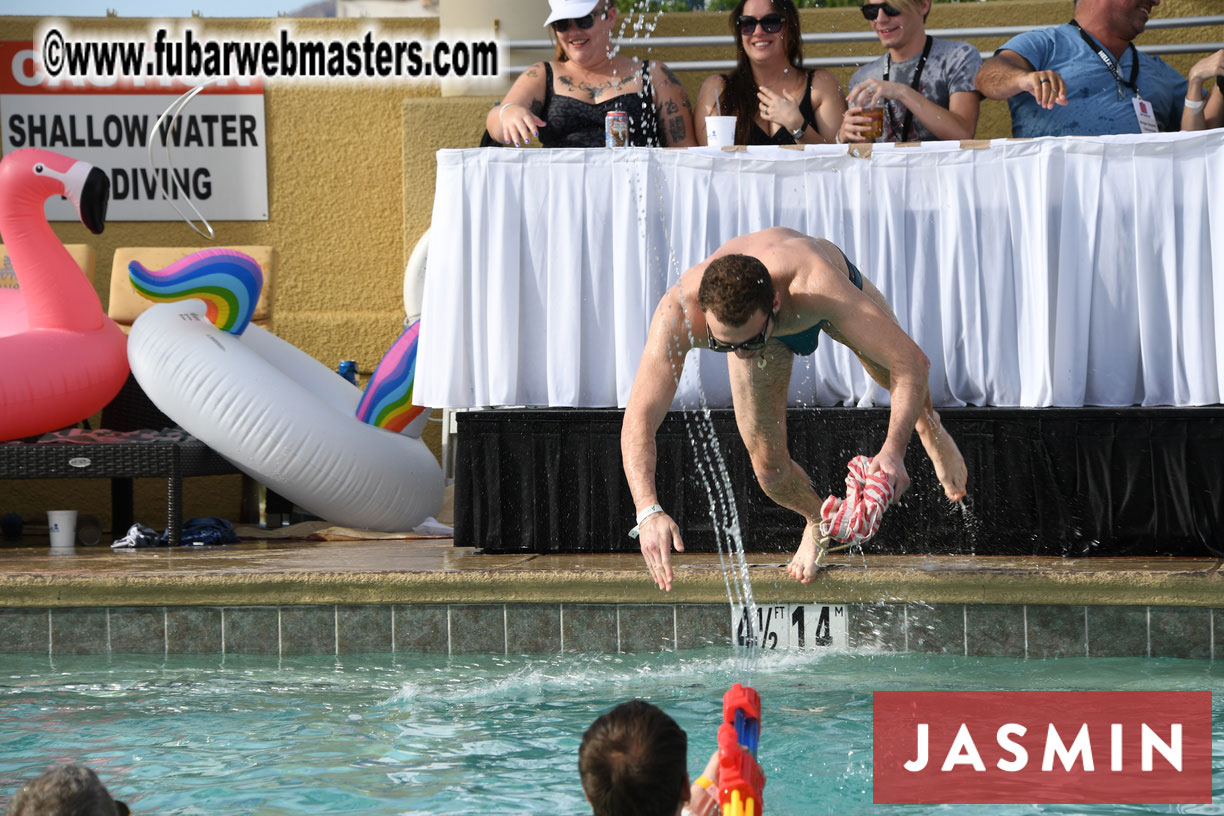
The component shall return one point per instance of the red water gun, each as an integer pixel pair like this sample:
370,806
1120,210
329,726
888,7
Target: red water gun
741,782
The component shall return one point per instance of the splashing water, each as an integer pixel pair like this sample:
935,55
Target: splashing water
711,464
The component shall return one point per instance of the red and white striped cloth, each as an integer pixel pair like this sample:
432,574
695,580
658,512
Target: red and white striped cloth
856,518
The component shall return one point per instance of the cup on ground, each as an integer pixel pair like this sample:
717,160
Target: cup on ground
88,531
720,131
62,525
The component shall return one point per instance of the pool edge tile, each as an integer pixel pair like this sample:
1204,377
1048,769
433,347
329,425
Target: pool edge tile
253,630
79,631
25,631
533,628
193,630
421,628
138,630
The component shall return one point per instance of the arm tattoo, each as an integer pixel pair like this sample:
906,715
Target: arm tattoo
670,108
676,130
670,74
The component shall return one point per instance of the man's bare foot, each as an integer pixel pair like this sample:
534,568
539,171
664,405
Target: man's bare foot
802,566
944,454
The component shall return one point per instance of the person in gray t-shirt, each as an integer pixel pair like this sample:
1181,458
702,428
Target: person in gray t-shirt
924,85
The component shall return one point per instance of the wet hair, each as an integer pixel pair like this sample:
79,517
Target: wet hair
65,790
633,762
733,287
739,94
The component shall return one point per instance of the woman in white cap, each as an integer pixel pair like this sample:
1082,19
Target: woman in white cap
563,103
773,99
924,84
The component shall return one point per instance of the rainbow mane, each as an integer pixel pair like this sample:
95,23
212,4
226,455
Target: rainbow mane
387,400
226,280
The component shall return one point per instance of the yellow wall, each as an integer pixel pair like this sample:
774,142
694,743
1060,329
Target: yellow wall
351,179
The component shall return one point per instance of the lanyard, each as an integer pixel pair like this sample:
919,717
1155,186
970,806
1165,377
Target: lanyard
909,114
1112,65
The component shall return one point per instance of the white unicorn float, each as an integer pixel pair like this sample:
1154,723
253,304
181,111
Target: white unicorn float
274,411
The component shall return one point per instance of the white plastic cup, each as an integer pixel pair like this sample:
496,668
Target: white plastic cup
720,131
62,525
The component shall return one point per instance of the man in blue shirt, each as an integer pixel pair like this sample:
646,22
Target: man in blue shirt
1086,78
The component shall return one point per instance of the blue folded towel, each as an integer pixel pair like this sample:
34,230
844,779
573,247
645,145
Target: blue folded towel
196,531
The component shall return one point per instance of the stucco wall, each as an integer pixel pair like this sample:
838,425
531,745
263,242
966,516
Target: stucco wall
351,180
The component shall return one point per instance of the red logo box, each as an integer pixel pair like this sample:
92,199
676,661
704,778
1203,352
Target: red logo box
1048,747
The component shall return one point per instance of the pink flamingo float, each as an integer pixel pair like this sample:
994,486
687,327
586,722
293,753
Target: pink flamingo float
63,358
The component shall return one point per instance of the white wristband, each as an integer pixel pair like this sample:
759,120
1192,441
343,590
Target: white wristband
648,512
1192,105
652,510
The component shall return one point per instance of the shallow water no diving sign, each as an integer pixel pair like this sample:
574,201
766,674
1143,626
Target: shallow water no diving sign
795,626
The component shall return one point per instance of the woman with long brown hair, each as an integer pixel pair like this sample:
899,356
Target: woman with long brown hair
773,99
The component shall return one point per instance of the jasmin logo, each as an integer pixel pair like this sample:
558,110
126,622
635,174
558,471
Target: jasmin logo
1017,747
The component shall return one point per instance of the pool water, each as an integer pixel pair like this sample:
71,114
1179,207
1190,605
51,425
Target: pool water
425,734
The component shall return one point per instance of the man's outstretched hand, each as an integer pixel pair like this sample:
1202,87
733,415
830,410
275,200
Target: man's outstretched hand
657,535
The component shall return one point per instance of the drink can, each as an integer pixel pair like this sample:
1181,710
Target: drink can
616,129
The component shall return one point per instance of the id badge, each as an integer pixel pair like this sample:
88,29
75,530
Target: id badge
1146,115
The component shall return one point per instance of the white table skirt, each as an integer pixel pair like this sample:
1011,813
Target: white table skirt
1051,272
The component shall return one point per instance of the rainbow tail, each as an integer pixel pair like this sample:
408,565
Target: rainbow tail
387,399
226,280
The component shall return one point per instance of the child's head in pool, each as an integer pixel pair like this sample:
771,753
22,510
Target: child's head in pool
633,760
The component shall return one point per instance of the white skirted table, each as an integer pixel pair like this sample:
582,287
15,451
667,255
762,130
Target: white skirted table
1051,272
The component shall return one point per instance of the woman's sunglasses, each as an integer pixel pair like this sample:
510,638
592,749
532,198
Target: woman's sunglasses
872,11
755,344
562,26
770,23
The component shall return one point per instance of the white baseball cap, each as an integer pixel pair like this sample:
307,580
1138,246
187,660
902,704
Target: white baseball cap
569,9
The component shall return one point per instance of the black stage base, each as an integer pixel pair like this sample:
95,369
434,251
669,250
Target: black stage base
1068,482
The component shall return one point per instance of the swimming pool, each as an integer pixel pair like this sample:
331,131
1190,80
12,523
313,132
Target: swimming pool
432,734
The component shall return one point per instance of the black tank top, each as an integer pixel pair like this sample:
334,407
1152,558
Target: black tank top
757,136
574,123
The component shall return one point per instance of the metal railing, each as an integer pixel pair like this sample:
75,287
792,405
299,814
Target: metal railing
726,41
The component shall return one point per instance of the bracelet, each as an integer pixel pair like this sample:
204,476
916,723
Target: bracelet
648,512
703,781
652,510
837,137
1192,105
502,109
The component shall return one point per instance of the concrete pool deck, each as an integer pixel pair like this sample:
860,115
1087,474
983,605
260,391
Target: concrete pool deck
434,571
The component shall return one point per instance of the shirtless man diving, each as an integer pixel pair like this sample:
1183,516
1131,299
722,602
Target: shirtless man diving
761,299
